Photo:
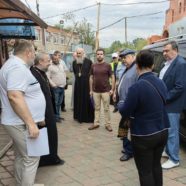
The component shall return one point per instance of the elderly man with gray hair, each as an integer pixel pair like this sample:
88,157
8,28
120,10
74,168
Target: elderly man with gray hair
41,64
83,109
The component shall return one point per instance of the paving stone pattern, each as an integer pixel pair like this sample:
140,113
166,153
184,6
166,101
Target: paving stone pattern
91,158
5,141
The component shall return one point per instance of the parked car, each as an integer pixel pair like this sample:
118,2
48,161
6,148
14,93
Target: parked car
157,49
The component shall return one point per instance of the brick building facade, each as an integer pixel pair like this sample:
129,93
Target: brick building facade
174,21
56,39
176,11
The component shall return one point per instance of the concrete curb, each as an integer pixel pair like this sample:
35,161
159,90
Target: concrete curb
5,149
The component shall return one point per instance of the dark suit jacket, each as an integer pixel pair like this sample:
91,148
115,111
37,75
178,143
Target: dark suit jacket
175,80
145,104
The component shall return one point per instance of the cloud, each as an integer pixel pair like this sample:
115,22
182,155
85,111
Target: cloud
136,27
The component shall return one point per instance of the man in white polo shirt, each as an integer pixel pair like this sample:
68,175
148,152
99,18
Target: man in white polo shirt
23,107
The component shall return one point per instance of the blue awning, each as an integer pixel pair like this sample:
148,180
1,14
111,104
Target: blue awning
17,28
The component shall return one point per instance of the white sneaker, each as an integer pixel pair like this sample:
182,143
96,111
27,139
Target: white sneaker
164,154
169,164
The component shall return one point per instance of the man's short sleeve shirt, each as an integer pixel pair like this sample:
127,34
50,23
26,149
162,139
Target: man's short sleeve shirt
16,75
101,75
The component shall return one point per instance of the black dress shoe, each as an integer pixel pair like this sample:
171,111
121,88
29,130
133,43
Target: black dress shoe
59,162
125,157
48,163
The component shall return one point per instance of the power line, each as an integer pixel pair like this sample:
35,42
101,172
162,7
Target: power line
114,4
128,17
76,10
27,4
152,2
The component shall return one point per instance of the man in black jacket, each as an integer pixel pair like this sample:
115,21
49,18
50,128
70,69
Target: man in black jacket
42,62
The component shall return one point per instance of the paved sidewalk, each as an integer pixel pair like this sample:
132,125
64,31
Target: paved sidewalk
6,169
5,141
92,158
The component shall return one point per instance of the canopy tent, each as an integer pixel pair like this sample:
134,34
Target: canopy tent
17,9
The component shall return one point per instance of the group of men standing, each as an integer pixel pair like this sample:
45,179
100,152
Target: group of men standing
29,98
123,74
32,97
92,85
172,73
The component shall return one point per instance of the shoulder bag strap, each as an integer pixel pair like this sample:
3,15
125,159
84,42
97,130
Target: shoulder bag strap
155,90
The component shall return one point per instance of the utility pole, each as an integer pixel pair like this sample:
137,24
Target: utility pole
126,30
42,29
98,22
37,7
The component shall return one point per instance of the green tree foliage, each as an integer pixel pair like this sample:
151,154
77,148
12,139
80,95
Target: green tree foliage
136,44
84,28
139,43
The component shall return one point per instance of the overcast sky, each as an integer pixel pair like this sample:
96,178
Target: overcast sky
136,27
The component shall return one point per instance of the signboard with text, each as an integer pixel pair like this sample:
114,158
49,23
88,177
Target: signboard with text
17,28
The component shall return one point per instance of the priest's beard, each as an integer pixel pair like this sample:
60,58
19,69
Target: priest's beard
79,60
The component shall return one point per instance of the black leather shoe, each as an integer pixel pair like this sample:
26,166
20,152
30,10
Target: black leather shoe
125,157
58,161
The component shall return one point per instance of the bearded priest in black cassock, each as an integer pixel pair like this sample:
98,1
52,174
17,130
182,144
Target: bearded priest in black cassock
83,107
42,62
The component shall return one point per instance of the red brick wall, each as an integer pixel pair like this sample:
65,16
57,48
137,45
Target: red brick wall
176,11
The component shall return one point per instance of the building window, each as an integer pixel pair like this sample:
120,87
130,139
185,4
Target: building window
180,7
62,40
48,36
55,38
38,36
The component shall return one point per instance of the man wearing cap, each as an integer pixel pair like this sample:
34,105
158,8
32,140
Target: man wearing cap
127,79
114,64
120,69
